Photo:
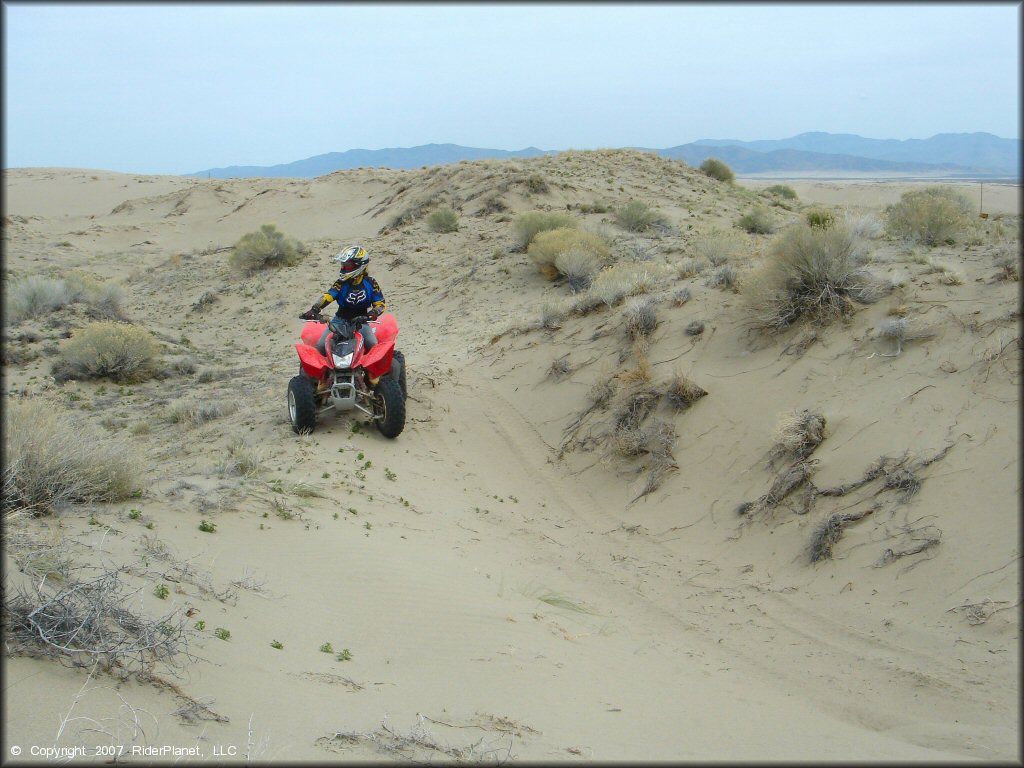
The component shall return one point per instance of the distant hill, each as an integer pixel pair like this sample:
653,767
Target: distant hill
412,157
744,160
969,150
955,154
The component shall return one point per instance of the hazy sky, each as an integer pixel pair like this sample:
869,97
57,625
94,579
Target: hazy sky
175,88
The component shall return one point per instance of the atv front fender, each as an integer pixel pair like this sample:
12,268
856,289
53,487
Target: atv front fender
377,361
313,363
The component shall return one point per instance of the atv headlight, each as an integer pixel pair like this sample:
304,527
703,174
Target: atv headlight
343,362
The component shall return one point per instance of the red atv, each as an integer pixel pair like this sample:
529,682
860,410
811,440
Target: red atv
348,377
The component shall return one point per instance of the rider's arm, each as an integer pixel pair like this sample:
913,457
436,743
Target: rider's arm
378,305
331,295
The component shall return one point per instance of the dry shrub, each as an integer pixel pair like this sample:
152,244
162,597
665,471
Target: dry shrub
690,267
639,375
552,313
408,215
715,247
866,226
547,245
17,355
902,329
641,317
419,746
633,402
526,226
681,296
579,265
681,392
559,367
1008,261
242,459
798,432
782,190
618,281
723,277
38,557
52,458
637,216
930,216
716,169
105,303
629,439
492,204
443,220
88,622
662,439
34,295
194,413
757,221
537,184
601,392
265,249
825,536
204,301
37,295
661,442
585,303
808,273
820,218
108,349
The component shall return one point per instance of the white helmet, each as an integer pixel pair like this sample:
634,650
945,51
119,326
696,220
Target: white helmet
353,261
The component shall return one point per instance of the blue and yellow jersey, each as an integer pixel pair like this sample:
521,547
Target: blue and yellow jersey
355,298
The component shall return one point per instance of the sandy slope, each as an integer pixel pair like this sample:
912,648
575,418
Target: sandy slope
500,592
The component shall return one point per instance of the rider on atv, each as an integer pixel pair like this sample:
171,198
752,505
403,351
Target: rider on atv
357,294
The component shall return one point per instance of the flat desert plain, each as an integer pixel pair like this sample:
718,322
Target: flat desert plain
619,525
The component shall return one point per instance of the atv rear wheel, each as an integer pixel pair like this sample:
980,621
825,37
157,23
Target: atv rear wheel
389,407
398,359
301,404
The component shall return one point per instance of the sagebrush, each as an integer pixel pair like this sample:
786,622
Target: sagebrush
757,221
549,244
579,266
782,190
266,249
109,349
443,220
716,247
931,216
38,295
53,458
637,216
526,226
717,169
613,284
808,273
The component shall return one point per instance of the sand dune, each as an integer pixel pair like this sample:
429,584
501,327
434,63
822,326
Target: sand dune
492,584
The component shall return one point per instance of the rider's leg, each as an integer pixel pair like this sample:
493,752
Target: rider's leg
369,337
321,345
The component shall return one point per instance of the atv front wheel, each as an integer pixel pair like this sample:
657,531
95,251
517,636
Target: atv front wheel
390,407
398,361
301,404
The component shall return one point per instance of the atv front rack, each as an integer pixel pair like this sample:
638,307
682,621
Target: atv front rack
345,395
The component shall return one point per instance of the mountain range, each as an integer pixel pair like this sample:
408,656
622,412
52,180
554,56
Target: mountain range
968,155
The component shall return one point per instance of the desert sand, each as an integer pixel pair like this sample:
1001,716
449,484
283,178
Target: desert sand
492,584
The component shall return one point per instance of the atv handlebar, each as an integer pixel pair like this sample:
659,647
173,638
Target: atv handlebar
354,321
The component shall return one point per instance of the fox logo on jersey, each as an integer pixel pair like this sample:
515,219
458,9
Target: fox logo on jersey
355,297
